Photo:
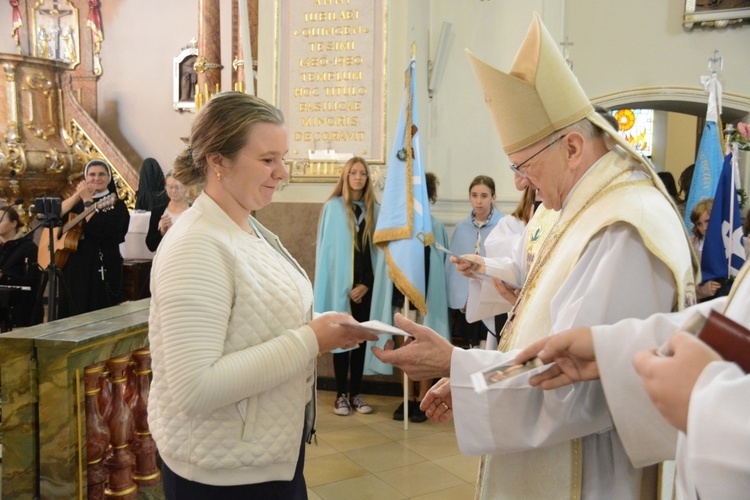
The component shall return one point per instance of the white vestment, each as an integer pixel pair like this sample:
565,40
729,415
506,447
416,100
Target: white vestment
715,456
484,302
615,277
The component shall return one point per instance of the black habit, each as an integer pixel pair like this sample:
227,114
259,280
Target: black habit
93,274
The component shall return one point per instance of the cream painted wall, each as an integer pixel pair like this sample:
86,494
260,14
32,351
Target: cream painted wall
143,36
681,143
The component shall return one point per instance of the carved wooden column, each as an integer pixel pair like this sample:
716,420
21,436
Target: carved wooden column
130,390
239,71
105,396
120,464
97,434
208,66
144,447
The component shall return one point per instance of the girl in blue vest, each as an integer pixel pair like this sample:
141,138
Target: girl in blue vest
344,271
468,238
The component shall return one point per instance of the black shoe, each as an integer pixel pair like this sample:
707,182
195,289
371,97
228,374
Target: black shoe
416,415
413,408
399,413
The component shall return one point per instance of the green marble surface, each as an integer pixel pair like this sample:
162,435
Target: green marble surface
44,427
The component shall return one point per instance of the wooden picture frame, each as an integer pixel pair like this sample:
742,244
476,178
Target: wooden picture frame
185,78
715,13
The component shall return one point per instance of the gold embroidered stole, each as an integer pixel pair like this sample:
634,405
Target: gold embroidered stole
736,285
604,196
539,227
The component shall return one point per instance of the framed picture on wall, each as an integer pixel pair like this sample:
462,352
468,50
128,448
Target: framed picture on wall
715,13
185,78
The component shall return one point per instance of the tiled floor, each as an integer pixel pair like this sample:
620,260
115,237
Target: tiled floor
373,457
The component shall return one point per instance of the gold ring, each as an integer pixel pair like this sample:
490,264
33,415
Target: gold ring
445,406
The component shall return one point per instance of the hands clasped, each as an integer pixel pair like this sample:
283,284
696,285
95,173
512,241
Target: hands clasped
427,356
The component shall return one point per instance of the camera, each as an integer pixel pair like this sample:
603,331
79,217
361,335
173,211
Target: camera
48,209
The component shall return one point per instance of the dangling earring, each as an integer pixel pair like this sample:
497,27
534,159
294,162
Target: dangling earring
218,176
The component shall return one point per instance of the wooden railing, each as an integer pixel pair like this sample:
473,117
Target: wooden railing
59,418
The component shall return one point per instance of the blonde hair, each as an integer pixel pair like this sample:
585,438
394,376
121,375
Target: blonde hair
368,198
523,210
222,126
699,209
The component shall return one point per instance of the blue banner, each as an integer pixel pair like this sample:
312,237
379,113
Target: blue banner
723,246
404,226
707,170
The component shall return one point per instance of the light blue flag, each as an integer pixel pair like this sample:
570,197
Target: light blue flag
707,170
723,253
404,226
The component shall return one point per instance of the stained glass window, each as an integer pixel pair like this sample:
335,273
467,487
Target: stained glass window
637,127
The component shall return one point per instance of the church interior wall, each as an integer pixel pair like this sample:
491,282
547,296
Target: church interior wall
616,46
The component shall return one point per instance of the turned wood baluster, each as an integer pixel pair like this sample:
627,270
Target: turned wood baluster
144,447
120,464
130,389
105,396
130,385
97,434
104,401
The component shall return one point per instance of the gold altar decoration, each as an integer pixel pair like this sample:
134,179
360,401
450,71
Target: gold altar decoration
55,34
86,150
46,136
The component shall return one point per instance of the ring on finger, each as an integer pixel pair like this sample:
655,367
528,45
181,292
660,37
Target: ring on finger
446,406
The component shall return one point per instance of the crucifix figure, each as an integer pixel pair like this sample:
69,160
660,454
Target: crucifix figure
55,13
566,53
101,267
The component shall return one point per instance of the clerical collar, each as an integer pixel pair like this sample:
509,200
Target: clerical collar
100,195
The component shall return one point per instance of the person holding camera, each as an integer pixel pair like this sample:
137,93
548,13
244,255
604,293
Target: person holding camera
93,273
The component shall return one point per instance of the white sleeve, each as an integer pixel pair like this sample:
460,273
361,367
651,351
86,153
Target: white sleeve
646,436
484,301
599,290
718,437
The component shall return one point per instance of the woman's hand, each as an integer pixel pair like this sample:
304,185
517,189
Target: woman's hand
165,223
83,191
332,336
358,293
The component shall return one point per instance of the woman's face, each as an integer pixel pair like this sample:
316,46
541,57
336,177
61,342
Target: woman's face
481,200
702,224
8,228
357,179
175,190
97,179
249,181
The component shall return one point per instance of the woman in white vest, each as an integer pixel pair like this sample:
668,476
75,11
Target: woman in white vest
233,342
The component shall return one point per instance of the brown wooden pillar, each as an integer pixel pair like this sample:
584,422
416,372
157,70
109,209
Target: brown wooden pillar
208,66
97,434
122,460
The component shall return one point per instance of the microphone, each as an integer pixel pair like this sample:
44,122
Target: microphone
18,201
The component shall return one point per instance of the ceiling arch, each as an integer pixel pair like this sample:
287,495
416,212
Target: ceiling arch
687,100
